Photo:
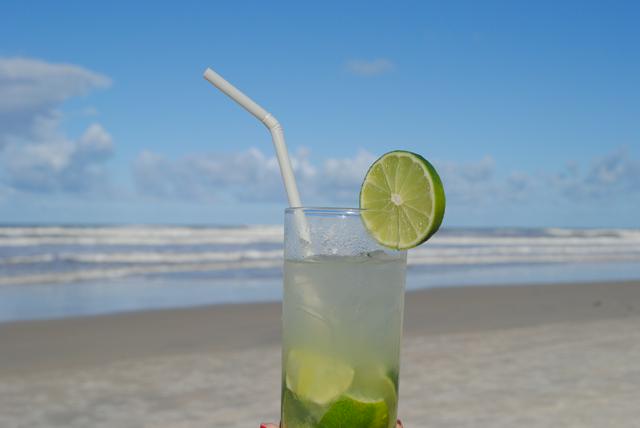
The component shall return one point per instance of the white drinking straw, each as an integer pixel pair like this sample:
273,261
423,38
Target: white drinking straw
278,142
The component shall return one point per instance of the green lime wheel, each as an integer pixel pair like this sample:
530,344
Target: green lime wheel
403,200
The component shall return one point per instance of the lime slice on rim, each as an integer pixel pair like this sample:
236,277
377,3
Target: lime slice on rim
315,377
403,198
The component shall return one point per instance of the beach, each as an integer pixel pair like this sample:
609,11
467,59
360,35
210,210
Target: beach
529,355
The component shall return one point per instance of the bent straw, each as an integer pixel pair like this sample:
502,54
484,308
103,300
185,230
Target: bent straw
279,144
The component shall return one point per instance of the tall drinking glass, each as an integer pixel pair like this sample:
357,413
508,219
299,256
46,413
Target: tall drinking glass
342,322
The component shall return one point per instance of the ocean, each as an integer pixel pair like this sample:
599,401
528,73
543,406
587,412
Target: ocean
64,271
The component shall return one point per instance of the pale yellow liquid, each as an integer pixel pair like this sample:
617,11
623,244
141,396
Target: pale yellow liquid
347,308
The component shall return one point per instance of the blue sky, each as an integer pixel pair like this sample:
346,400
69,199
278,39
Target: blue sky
529,111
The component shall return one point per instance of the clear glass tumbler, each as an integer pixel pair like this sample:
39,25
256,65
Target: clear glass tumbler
342,322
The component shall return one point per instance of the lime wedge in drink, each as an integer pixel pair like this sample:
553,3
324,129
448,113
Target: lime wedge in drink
356,412
372,381
403,198
315,377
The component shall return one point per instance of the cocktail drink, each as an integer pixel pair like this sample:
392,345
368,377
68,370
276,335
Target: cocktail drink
342,323
344,275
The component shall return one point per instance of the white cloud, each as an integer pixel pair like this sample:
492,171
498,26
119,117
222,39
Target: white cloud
340,178
478,182
253,176
95,142
609,175
373,67
58,163
605,177
29,84
249,176
468,182
35,154
519,185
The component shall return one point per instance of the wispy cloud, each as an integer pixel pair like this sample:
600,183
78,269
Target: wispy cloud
35,154
375,67
253,176
612,174
30,84
249,176
605,178
59,163
468,182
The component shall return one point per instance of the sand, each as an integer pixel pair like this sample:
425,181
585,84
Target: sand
527,356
